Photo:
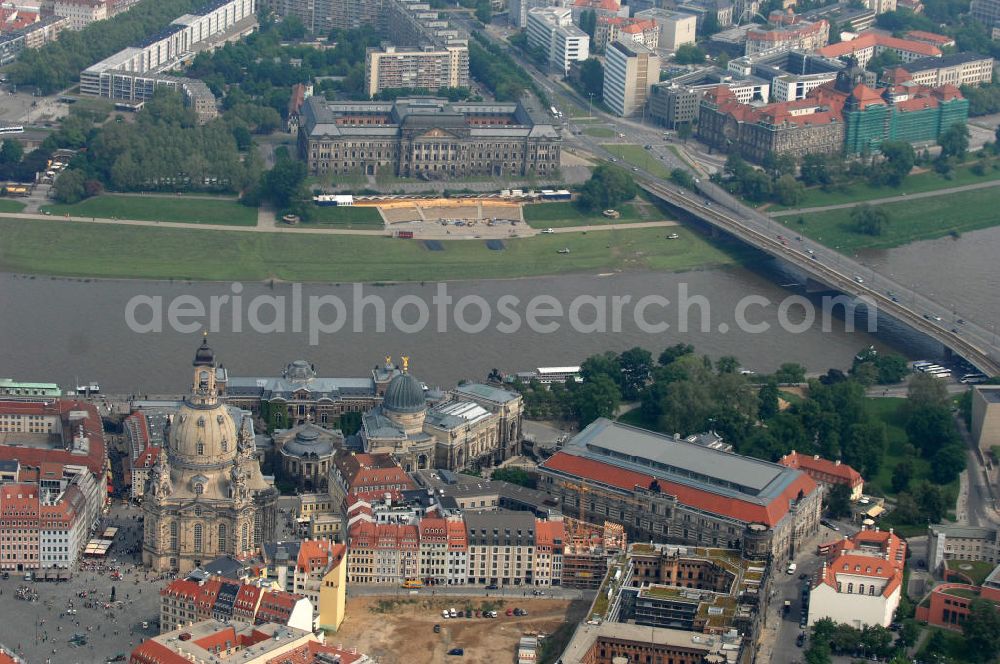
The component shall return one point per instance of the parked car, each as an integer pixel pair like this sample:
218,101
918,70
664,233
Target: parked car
445,614
437,629
493,614
510,612
493,586
453,613
456,651
800,639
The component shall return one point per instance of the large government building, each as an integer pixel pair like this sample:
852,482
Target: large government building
206,496
428,138
663,488
299,396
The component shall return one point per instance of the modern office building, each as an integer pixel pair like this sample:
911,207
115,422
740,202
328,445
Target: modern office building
662,488
629,73
986,12
430,69
676,28
517,10
791,74
551,29
946,543
672,105
986,416
427,138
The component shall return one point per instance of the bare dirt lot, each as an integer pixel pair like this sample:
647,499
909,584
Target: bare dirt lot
401,630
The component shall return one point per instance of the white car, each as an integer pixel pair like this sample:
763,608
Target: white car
791,568
445,614
547,231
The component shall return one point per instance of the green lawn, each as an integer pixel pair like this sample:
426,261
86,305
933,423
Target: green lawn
975,570
599,132
923,219
66,248
7,205
184,209
346,217
914,184
636,155
564,214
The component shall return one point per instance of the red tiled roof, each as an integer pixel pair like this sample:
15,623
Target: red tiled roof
818,464
743,510
93,429
607,5
154,652
639,26
309,653
930,37
871,39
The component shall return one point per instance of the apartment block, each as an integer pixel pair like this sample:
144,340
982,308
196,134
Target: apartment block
826,473
947,543
551,29
388,67
629,72
517,10
676,28
956,69
214,25
986,12
789,32
81,13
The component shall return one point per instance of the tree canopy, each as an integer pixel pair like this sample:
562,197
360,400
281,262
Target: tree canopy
609,186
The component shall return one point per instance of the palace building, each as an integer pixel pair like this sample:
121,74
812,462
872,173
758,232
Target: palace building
475,426
427,138
206,495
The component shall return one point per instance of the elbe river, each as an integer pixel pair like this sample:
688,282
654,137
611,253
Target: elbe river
67,330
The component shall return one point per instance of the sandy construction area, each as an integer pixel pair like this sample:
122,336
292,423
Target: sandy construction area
401,630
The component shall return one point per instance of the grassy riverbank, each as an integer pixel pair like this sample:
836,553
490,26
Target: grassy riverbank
76,249
8,205
910,221
182,209
914,184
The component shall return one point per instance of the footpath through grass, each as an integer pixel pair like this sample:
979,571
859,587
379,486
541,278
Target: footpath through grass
182,209
101,250
345,217
636,155
914,184
909,221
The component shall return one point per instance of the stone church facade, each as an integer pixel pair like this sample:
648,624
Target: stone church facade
206,495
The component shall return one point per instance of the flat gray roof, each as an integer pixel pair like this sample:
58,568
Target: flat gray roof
679,460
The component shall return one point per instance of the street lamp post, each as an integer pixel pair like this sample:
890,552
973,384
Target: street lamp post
590,111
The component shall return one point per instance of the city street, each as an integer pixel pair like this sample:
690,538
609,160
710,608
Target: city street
356,590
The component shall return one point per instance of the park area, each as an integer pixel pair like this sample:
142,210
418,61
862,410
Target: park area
377,626
64,248
909,221
567,214
7,205
159,207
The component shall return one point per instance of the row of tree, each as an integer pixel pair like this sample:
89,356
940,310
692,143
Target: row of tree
492,66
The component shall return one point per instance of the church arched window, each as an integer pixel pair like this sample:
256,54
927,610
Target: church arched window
173,534
245,537
201,447
222,537
197,537
225,445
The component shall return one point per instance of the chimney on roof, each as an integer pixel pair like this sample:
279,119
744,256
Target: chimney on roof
837,462
816,457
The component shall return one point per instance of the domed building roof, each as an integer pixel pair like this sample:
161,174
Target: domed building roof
404,395
204,356
299,371
202,435
309,441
